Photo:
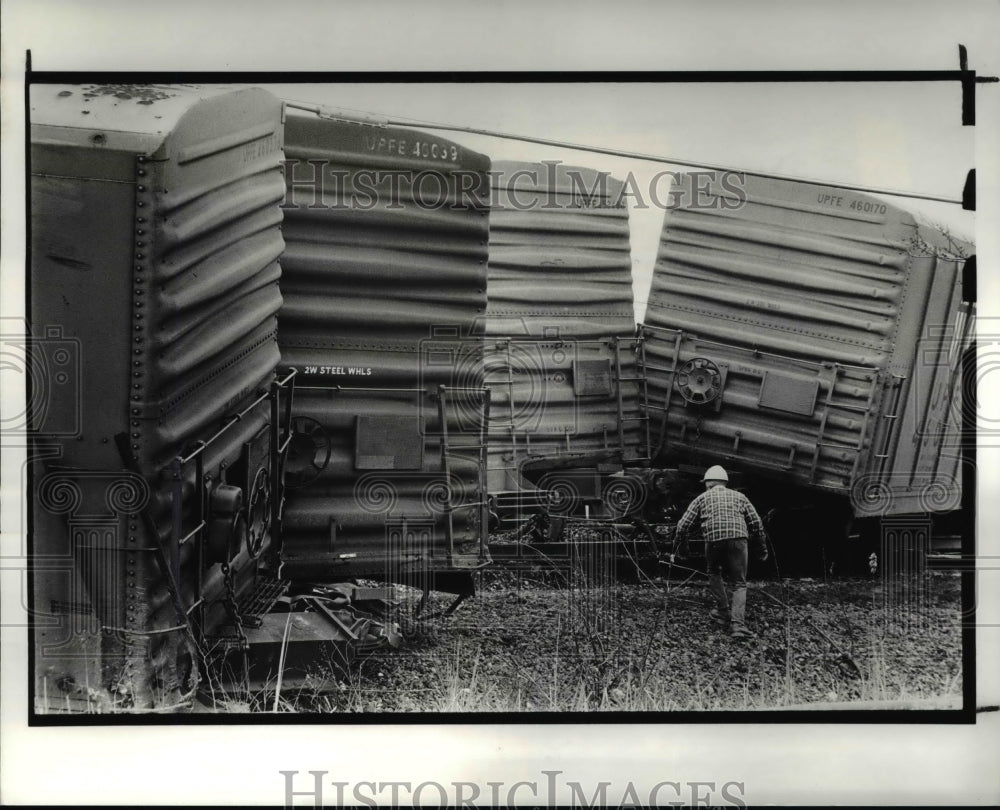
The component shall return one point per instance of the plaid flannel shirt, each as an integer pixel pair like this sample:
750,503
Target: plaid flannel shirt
723,514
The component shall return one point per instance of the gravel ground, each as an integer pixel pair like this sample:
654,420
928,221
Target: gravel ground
548,641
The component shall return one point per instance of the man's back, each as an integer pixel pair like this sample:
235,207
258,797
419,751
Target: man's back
723,514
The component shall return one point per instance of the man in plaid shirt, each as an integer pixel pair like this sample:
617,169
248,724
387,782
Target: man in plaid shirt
727,520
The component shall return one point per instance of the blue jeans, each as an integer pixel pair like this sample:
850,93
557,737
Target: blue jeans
728,558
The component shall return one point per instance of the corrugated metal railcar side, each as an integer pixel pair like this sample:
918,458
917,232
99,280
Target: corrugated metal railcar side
809,333
560,326
154,288
385,275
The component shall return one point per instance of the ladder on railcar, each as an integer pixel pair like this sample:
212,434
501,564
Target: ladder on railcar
450,450
638,348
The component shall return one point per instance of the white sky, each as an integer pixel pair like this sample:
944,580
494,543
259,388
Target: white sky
904,138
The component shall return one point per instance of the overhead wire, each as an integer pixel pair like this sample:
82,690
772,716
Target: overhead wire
380,119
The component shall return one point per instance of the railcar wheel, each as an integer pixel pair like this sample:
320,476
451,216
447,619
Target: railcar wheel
562,496
623,496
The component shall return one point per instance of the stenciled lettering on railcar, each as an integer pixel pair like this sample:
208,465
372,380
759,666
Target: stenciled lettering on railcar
864,206
243,393
760,303
867,207
409,147
338,371
260,147
597,201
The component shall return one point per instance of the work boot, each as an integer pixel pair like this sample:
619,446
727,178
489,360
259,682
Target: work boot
718,617
740,632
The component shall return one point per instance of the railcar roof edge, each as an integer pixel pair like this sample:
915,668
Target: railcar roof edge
144,114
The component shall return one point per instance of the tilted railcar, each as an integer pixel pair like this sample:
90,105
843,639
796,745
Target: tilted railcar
566,408
384,279
812,338
155,239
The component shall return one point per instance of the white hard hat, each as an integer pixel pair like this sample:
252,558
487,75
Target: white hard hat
715,473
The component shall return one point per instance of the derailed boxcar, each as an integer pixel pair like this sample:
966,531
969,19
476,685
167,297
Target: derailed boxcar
811,336
154,288
561,349
385,276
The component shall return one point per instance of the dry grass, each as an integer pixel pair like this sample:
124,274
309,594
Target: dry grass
584,666
587,647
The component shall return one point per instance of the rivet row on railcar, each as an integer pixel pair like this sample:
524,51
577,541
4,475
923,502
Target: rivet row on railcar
158,423
561,357
386,234
812,339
